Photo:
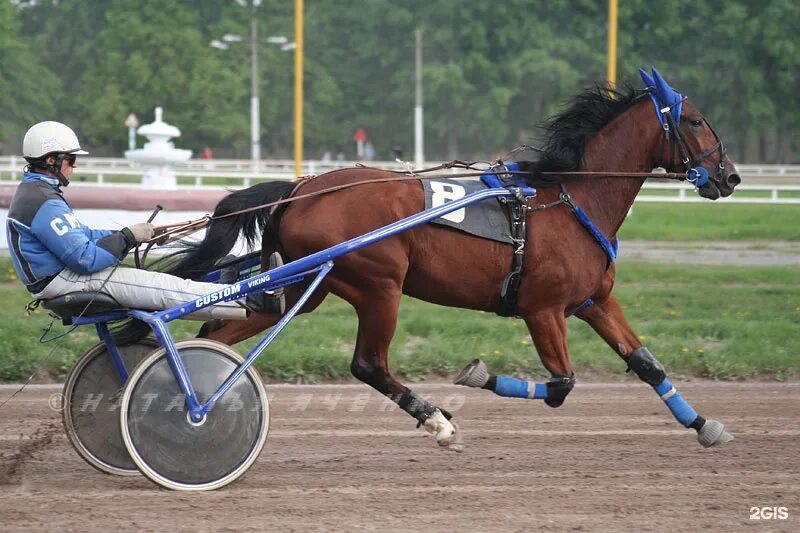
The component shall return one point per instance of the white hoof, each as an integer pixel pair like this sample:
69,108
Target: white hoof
457,442
712,434
446,433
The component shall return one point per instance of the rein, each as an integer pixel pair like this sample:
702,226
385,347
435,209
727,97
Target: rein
168,233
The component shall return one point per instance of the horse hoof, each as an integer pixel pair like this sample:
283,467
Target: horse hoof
474,374
456,441
447,433
712,434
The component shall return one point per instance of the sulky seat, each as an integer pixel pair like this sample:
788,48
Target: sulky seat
83,304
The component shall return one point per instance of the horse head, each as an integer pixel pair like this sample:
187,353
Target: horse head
690,143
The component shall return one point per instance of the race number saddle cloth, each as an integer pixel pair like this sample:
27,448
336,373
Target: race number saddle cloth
488,220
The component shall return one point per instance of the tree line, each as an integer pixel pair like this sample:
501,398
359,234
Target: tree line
492,70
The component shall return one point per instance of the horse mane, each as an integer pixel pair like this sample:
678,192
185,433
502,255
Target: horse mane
568,132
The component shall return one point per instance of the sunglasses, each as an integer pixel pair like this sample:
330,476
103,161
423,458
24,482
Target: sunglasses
70,159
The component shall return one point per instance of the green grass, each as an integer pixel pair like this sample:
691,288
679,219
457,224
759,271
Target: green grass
715,322
709,221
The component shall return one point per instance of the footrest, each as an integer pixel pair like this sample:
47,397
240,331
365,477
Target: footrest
73,304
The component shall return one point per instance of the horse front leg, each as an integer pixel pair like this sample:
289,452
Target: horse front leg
377,320
548,330
608,320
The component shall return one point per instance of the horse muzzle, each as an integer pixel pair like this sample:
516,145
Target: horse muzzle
722,184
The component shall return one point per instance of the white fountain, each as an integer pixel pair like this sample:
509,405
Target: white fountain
158,156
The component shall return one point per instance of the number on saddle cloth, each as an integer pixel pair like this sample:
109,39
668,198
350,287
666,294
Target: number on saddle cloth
482,219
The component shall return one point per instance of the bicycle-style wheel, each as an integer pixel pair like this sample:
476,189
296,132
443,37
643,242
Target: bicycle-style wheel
91,402
172,450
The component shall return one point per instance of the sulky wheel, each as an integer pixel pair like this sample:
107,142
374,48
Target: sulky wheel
173,451
91,402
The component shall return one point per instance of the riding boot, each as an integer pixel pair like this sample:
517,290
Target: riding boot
268,302
275,261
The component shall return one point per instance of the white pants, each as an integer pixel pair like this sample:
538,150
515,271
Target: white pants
141,289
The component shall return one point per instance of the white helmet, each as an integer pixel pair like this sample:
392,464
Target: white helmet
48,137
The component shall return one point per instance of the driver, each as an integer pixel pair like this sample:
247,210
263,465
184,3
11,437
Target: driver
54,254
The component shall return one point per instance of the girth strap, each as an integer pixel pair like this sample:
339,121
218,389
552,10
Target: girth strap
517,211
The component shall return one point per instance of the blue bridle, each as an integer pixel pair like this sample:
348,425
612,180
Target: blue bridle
668,104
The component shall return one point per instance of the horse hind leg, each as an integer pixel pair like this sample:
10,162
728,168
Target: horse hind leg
608,320
377,319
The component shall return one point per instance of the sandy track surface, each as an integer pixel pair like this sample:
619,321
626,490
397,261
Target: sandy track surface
739,253
339,458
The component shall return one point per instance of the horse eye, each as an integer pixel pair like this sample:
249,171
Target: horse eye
696,123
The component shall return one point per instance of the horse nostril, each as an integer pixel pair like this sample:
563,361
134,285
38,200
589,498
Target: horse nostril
733,180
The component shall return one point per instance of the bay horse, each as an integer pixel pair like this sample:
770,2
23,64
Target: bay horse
614,136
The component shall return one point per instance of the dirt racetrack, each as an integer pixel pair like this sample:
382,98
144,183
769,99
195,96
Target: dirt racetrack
611,459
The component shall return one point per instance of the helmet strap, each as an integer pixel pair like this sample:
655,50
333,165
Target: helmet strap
56,169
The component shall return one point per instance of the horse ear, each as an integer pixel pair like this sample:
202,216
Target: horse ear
665,93
668,96
647,78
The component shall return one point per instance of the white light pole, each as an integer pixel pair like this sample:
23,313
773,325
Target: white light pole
419,155
255,127
255,100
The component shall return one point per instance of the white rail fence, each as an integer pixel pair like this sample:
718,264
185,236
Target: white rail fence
761,183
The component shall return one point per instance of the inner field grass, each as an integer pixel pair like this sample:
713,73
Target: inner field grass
714,322
712,221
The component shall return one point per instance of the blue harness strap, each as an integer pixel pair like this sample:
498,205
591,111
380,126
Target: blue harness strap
609,247
585,305
498,178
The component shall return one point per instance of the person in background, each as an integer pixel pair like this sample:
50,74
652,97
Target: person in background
369,151
54,254
207,153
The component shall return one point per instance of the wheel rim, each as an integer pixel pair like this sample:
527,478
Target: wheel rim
173,451
91,401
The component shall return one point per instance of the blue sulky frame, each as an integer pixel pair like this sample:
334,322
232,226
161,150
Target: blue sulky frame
319,263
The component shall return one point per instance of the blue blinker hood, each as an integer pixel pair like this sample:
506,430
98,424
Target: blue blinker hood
663,96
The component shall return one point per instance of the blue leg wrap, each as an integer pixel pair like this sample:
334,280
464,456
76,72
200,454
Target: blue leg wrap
682,411
517,388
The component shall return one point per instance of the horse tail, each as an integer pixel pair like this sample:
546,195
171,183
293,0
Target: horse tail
194,260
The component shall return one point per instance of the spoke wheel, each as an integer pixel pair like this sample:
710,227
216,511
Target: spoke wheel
167,446
91,407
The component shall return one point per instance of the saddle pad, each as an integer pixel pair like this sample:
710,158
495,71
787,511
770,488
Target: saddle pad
485,219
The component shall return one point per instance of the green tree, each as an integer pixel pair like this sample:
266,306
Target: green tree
492,70
153,53
27,86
